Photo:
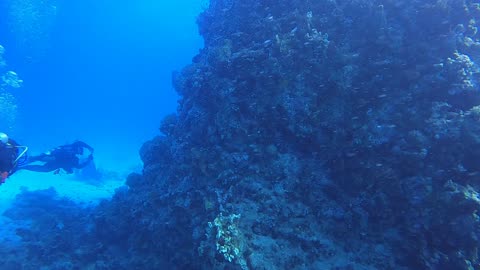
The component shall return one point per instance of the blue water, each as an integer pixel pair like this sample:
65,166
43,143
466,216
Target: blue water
99,71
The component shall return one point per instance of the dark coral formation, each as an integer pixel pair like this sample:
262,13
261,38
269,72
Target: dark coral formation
53,231
311,135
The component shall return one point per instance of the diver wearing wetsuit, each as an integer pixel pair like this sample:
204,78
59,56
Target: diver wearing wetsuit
66,157
11,155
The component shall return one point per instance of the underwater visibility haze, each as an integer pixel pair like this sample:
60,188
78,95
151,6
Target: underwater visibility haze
97,71
252,134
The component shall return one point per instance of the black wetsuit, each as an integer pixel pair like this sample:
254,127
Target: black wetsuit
63,157
8,155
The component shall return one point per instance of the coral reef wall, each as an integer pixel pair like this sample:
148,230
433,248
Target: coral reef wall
311,135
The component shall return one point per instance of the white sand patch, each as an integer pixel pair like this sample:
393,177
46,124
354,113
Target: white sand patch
77,188
65,185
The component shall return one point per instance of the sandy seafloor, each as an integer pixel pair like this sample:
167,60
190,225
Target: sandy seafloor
75,187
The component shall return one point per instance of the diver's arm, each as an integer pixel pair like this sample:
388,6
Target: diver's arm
83,165
84,145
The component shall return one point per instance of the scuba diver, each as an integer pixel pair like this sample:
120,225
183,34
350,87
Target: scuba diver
66,157
12,156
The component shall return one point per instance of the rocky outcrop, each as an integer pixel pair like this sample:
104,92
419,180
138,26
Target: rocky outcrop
312,135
